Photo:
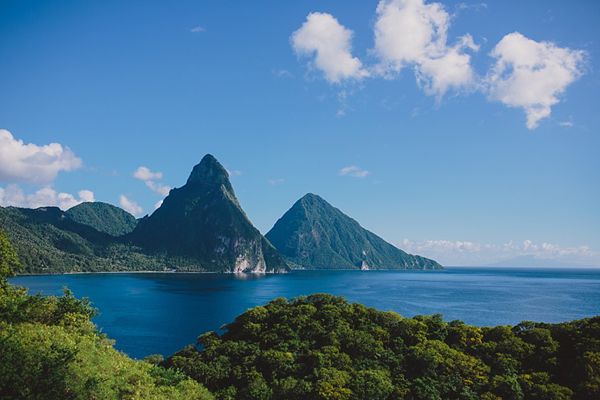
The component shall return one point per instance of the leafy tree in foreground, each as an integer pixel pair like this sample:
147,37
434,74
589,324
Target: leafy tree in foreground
322,347
49,349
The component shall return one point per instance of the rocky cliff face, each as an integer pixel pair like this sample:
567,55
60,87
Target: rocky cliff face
315,235
203,221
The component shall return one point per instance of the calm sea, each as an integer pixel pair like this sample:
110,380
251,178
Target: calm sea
161,313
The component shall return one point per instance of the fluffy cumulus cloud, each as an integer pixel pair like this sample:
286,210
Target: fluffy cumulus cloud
414,34
130,206
144,174
158,188
354,171
532,75
328,42
13,195
30,163
472,253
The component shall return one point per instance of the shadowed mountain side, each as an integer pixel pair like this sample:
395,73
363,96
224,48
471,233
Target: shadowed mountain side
315,235
204,221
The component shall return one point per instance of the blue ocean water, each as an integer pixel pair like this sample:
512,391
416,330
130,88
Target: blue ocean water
162,312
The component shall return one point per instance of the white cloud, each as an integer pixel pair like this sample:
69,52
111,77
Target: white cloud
13,195
158,188
130,206
275,182
158,204
145,174
354,171
532,75
31,163
412,33
234,173
472,253
198,29
86,196
282,73
330,43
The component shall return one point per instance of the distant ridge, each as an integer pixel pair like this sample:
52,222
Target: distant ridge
203,222
315,235
103,217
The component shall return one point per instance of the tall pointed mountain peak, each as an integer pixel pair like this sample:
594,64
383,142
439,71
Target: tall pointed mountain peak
201,226
315,235
208,171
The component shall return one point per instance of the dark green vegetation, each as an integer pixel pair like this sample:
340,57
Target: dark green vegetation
49,349
322,347
200,227
103,217
204,221
47,240
315,235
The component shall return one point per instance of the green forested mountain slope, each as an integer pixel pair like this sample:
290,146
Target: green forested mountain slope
203,221
315,235
103,217
48,241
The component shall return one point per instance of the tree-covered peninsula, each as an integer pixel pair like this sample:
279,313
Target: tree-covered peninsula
323,347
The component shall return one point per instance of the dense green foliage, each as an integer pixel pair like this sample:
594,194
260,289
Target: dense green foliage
49,349
204,221
47,241
322,347
103,217
315,235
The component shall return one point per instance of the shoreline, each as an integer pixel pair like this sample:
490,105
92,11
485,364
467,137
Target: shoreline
446,269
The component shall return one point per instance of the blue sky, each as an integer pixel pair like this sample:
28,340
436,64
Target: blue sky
463,131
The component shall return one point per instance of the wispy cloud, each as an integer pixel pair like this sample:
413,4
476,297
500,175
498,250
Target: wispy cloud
30,163
275,182
158,188
282,73
198,29
144,174
130,206
354,171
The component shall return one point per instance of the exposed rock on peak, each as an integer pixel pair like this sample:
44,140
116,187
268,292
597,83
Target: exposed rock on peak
209,173
202,223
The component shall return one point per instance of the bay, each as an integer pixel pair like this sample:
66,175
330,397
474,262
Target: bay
149,313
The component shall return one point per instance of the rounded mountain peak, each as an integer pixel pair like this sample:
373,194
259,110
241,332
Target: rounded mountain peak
208,171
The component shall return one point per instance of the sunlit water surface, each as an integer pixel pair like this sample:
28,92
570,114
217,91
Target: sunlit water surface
161,313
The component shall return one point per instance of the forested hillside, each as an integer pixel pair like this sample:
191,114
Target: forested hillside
49,241
103,217
49,349
322,347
